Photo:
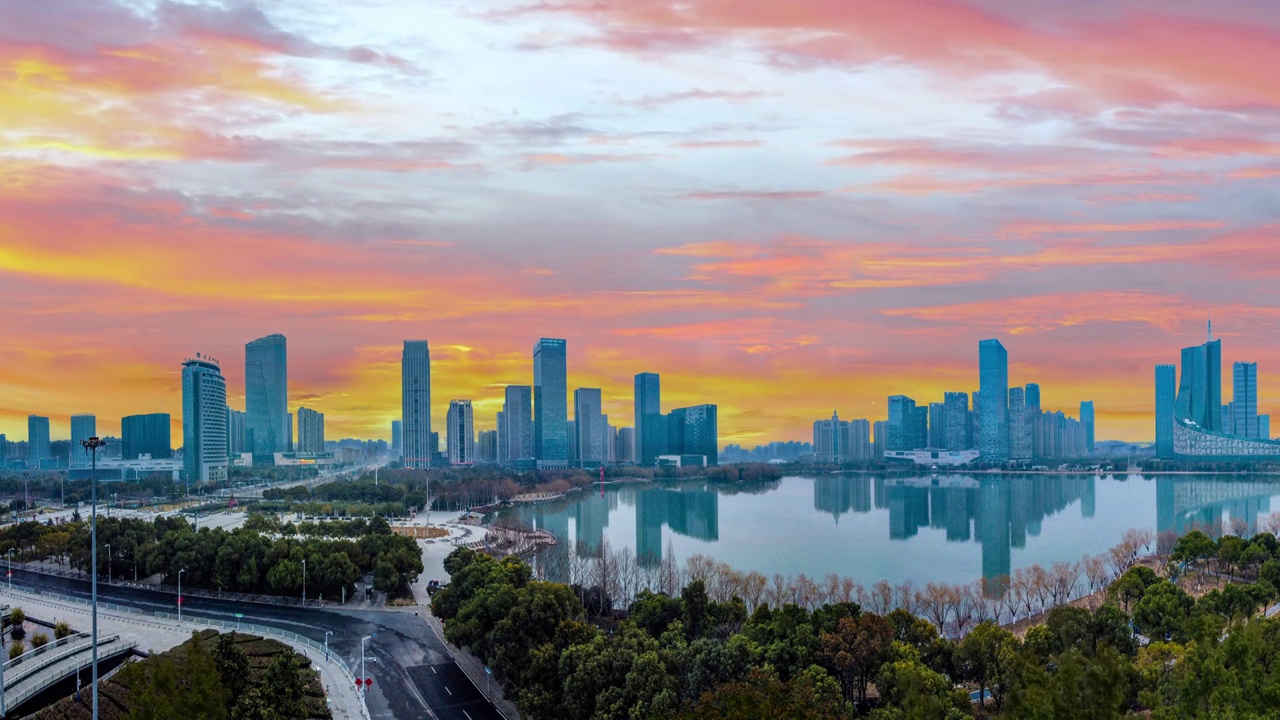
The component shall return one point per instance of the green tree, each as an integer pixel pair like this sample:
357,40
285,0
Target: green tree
985,654
1163,611
184,684
856,651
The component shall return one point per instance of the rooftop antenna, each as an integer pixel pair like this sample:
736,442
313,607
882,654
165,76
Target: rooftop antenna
1210,327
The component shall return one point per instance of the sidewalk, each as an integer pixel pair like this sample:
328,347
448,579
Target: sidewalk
155,636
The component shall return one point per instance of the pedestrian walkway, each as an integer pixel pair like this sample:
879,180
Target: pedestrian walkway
154,635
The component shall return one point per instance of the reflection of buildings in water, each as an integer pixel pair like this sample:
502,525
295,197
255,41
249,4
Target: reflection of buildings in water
690,512
1186,504
838,494
591,517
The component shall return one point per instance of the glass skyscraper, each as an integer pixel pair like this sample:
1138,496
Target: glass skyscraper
37,440
993,401
147,435
589,424
1200,392
1087,419
266,394
550,401
83,427
1244,400
650,434
204,420
515,433
1166,391
415,403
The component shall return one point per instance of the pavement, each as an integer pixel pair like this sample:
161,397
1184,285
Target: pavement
413,670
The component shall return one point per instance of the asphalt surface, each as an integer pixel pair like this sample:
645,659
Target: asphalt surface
413,674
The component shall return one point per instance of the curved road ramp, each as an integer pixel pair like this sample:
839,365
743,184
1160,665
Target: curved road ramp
35,671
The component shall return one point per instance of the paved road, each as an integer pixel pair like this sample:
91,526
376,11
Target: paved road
413,675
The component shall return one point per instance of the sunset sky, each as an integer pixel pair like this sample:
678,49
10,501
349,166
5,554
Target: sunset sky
784,208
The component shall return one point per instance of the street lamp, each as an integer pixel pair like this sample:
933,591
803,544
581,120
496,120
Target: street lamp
108,563
327,633
180,593
304,581
10,569
91,445
363,685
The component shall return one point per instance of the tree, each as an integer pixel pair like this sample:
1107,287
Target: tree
233,668
985,654
856,651
182,684
282,685
918,693
1163,611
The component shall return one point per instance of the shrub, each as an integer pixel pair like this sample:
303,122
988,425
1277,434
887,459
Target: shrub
39,640
61,630
17,619
16,648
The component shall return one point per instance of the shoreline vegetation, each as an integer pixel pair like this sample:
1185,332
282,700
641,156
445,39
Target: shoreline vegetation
1150,637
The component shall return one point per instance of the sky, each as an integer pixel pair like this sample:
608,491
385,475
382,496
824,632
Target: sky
784,209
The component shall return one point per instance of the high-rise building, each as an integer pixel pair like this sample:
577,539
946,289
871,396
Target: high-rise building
573,440
610,441
550,401
955,430
204,420
37,440
149,434
461,434
1166,394
289,446
993,400
650,434
4,451
1264,430
515,431
937,425
902,428
1200,392
1021,444
880,442
83,427
830,438
487,446
266,394
1088,420
696,432
310,431
589,425
859,447
1032,396
397,437
415,403
237,432
1244,400
624,452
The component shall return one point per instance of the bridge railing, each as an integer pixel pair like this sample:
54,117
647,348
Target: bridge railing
12,678
33,652
38,682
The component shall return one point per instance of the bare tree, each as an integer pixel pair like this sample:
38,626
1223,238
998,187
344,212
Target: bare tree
938,603
1063,578
1022,587
753,589
850,590
628,577
831,588
698,567
881,597
905,595
1040,586
806,592
1270,523
1095,572
669,581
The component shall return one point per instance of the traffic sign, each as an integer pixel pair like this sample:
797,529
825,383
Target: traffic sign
487,671
368,681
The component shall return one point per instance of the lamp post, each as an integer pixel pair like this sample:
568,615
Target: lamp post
180,593
304,581
91,445
108,563
327,633
10,569
364,685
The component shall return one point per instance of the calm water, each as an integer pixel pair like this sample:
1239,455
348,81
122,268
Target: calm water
951,529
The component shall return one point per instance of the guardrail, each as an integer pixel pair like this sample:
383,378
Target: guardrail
33,652
263,630
28,669
50,675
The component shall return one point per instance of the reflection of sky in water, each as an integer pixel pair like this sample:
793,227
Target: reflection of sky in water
953,529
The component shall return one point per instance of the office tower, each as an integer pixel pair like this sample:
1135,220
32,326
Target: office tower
37,440
487,446
1264,432
830,438
993,401
237,432
573,440
83,427
1200,392
1032,396
397,437
1087,420
589,425
650,435
415,402
1020,440
204,420
695,432
920,427
954,431
1166,391
288,446
1244,400
4,451
266,394
625,451
880,441
610,441
310,431
550,401
461,434
936,426
903,427
515,424
149,434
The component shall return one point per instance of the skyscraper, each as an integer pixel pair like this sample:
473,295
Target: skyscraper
487,446
1032,396
461,433
696,429
37,440
550,401
83,427
1087,420
829,439
147,435
310,431
625,451
516,433
204,420
880,439
589,424
266,394
1020,439
937,425
397,437
1200,392
1264,430
1244,400
4,451
955,430
237,432
993,400
1166,391
415,403
649,432
902,430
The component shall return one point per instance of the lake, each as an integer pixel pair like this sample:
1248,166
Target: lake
953,528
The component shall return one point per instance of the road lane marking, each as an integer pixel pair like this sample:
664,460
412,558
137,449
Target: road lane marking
433,671
464,712
446,689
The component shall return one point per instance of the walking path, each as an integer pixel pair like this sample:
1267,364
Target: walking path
156,635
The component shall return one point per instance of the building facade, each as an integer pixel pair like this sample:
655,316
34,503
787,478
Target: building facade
1200,392
550,401
397,438
624,451
37,440
1244,400
266,395
415,403
149,434
461,433
237,432
695,431
1021,439
649,431
1166,395
515,428
590,426
956,433
83,427
1088,420
204,421
487,446
993,400
310,431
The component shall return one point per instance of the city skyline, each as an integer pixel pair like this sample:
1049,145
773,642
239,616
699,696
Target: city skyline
758,217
